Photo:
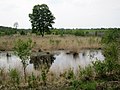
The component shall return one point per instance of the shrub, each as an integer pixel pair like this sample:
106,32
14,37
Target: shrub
61,33
23,50
110,68
86,74
100,69
22,33
32,81
14,76
43,76
70,74
79,33
88,85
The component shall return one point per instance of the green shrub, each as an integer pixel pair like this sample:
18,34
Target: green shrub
23,50
100,69
23,33
70,74
111,36
88,85
2,33
79,33
86,74
43,76
75,84
109,69
32,81
61,33
14,76
56,32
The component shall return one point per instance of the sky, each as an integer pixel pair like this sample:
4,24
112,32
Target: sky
68,13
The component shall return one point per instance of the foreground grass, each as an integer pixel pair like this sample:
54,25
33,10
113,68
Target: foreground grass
84,80
53,42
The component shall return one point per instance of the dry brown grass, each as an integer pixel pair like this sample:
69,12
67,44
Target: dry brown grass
54,42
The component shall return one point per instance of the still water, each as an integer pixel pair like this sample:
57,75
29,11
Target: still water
63,61
13,61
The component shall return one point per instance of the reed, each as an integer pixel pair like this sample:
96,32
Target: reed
53,42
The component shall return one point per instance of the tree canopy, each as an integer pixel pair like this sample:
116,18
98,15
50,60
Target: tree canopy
16,25
41,19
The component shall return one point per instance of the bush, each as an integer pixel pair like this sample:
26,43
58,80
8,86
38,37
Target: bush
23,33
43,76
32,81
61,33
86,74
79,33
23,50
14,76
110,68
70,74
100,69
88,85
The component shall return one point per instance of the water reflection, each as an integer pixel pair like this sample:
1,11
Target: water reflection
42,60
8,55
63,61
9,62
12,61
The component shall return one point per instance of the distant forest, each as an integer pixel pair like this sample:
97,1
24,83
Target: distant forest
57,31
10,28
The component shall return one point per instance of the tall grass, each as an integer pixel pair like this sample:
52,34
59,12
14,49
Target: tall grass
54,42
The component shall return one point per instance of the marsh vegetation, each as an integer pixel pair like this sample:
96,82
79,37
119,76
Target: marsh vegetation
46,58
74,67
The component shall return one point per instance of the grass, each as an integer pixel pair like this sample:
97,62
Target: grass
53,42
13,80
90,78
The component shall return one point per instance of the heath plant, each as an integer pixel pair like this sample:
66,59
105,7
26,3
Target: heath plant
23,50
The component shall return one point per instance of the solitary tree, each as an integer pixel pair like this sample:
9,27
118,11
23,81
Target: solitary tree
15,25
41,19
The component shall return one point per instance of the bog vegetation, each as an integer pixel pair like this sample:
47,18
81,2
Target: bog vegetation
101,75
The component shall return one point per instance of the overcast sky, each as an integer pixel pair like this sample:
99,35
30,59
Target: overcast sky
68,13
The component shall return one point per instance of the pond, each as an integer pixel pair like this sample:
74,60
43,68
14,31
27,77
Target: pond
64,60
12,61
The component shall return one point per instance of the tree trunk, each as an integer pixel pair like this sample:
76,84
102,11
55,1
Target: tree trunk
42,35
24,74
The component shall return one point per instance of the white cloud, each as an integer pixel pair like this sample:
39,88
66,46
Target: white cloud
68,13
